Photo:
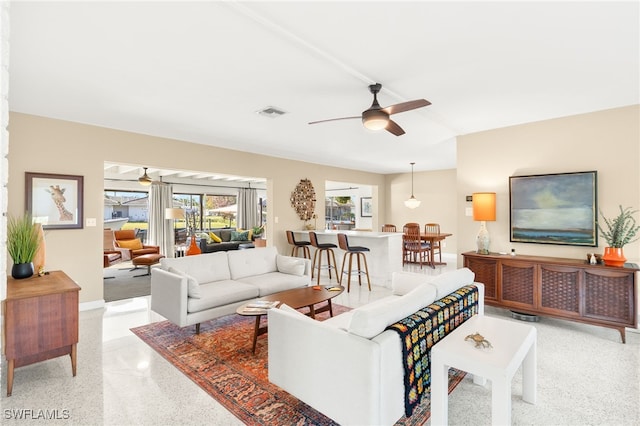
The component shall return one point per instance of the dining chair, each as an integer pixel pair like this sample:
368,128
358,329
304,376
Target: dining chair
413,248
388,227
434,228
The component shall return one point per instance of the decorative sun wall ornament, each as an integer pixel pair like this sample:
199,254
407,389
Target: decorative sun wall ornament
303,199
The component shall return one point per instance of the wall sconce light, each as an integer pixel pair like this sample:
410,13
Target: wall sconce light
484,209
412,202
145,180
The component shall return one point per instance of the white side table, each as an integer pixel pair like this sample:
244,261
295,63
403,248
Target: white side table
513,344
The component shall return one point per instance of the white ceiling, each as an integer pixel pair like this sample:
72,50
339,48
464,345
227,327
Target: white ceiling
198,71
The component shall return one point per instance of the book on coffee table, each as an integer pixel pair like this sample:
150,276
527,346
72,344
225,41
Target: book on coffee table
262,304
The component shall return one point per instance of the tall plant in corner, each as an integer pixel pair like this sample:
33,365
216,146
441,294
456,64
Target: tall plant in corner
618,232
22,244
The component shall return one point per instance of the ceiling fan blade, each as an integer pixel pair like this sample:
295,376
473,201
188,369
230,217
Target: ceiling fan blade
393,127
406,106
336,119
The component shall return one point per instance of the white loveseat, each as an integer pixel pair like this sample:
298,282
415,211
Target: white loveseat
348,367
192,289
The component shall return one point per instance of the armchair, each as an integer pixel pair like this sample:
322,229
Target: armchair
110,255
132,247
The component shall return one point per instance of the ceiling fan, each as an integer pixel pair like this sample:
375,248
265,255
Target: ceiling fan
377,118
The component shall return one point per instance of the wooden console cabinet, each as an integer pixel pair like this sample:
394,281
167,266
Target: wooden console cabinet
570,289
40,320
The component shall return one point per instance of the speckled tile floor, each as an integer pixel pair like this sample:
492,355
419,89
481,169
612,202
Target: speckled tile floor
585,376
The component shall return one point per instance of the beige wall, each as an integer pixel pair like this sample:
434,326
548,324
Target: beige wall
436,191
606,141
52,146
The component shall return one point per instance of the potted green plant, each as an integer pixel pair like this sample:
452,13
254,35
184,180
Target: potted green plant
618,232
22,244
257,231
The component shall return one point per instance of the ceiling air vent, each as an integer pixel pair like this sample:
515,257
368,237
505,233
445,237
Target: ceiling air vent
271,112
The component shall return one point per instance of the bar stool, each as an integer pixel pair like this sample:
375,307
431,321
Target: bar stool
343,242
297,245
324,247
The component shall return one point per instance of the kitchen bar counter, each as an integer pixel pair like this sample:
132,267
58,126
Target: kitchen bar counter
384,258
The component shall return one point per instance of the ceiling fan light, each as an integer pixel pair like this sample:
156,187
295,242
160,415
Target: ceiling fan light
376,123
375,120
145,180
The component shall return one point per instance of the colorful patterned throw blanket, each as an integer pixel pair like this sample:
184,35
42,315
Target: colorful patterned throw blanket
423,329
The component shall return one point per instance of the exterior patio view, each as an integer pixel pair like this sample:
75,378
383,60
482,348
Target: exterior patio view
202,212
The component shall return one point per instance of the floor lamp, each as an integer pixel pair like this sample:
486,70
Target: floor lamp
484,209
174,213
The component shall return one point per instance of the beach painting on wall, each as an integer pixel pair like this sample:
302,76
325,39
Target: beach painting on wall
558,208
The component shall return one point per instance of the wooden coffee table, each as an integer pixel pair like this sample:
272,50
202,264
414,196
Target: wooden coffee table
296,298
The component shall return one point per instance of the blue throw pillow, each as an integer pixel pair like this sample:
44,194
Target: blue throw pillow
239,236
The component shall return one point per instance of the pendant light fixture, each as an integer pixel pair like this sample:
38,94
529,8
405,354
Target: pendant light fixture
145,180
412,202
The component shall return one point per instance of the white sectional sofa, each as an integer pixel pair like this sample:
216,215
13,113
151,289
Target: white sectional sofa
192,289
348,367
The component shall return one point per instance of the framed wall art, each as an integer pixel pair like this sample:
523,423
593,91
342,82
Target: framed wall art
54,200
559,208
366,209
303,200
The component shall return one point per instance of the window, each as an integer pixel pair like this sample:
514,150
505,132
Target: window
340,212
205,211
130,205
202,211
220,211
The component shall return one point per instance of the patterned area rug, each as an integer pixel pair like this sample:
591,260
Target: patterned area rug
220,361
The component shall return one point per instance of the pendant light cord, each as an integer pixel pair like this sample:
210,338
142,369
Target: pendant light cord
412,178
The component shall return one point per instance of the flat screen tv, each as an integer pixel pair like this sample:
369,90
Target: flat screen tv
559,208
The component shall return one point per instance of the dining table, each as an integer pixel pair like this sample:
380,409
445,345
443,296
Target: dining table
432,238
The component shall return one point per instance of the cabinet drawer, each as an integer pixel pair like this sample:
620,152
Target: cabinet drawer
609,296
517,281
560,290
486,273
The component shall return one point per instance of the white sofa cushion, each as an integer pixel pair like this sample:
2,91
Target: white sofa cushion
246,263
205,268
220,293
193,286
341,321
370,320
275,281
290,265
451,281
403,282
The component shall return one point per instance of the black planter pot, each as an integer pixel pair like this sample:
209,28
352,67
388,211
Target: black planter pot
22,270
